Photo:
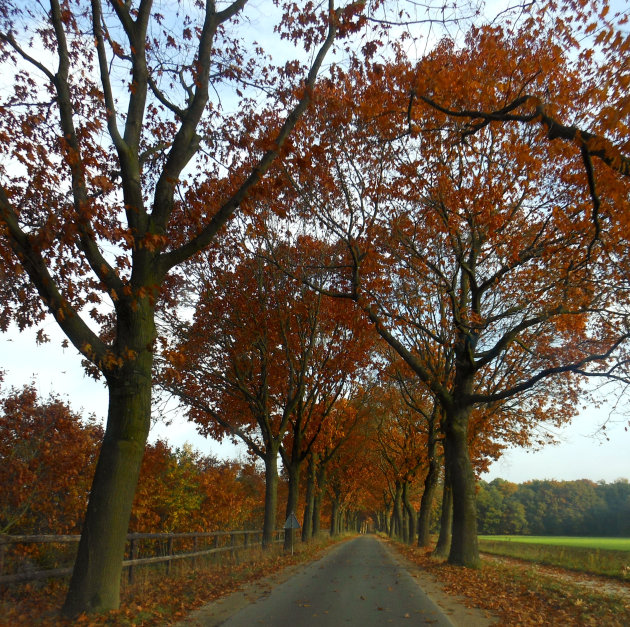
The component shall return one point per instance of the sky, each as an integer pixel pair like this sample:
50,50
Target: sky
54,369
58,370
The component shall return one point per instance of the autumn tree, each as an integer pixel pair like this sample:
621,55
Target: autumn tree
428,421
182,491
402,445
267,368
483,247
117,167
47,458
349,416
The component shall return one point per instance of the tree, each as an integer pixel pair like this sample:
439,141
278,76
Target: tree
483,248
47,458
181,491
429,421
113,175
267,368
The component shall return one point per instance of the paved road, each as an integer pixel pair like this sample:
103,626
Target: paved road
357,583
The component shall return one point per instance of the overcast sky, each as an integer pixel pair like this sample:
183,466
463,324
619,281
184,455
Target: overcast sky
58,370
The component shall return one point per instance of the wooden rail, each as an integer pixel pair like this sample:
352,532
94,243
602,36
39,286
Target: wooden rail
238,540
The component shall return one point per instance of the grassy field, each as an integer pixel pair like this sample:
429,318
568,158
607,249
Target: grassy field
602,556
612,544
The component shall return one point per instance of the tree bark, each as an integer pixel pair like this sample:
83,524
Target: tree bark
410,527
395,529
307,525
426,503
317,502
334,517
443,546
271,495
95,582
293,471
464,547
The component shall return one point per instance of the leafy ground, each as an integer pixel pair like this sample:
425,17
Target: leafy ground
517,592
522,593
613,544
156,599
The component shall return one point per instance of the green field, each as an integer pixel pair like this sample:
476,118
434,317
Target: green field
612,544
602,556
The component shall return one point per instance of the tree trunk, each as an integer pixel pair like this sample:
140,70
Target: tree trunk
307,525
317,502
395,529
443,546
426,503
334,517
464,547
293,472
411,515
271,495
95,582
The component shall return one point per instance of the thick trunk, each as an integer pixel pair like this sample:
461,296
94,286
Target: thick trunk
95,582
271,496
293,472
443,546
307,525
464,547
411,515
426,503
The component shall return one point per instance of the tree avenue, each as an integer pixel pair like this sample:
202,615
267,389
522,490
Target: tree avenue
469,204
265,360
118,167
484,240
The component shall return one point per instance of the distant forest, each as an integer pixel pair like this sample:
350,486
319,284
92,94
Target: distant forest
557,508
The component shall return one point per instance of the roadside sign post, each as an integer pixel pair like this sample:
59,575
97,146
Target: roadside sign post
291,524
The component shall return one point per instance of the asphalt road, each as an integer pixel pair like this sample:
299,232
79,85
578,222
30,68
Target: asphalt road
357,583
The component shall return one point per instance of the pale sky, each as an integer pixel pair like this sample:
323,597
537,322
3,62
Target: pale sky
54,369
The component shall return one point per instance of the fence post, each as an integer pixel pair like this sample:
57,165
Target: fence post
233,545
195,546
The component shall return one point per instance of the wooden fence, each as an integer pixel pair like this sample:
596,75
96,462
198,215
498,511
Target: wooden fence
163,545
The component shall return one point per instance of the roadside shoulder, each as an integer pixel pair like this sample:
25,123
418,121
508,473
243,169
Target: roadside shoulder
453,606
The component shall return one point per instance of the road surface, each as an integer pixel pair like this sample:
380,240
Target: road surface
357,583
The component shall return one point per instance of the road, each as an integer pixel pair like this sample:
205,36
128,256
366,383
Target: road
357,583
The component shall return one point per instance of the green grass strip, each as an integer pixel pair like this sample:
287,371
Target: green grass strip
592,555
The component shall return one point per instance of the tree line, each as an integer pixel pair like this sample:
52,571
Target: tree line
48,454
378,268
554,508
